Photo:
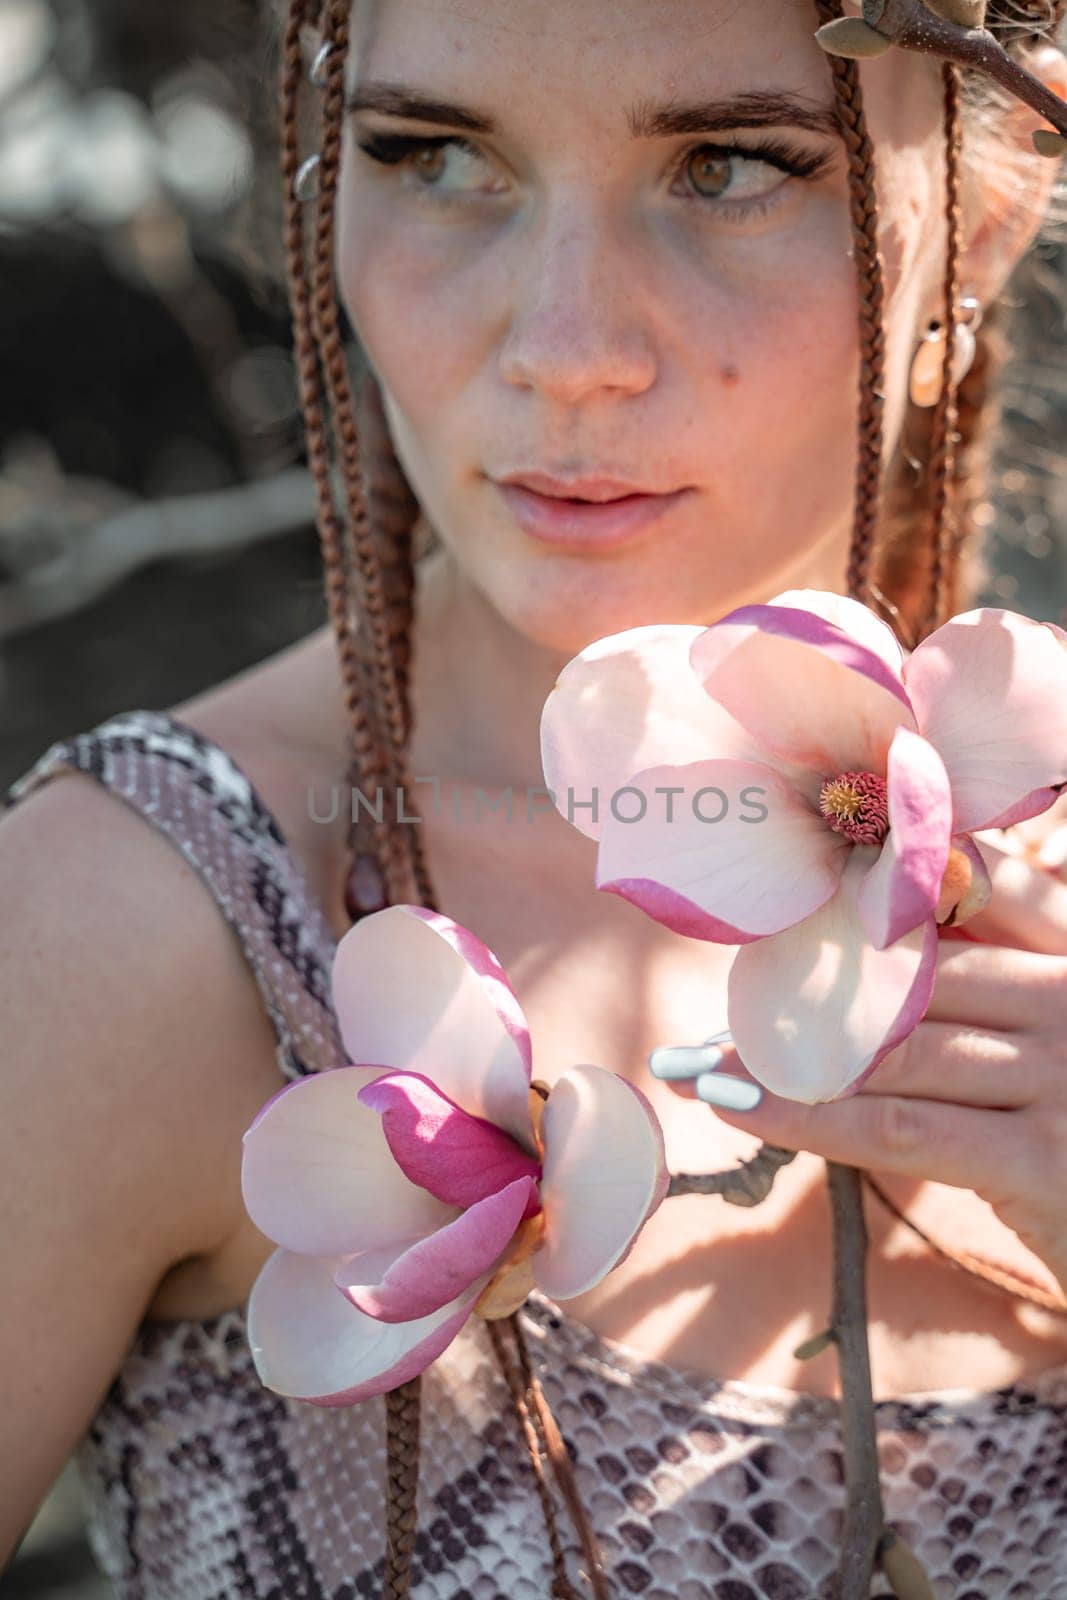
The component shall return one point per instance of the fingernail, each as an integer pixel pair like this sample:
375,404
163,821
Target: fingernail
723,1037
733,1094
678,1061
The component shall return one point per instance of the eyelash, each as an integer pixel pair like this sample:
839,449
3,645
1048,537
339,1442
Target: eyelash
393,150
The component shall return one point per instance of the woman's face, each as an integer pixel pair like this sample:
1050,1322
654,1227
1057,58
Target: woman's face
579,290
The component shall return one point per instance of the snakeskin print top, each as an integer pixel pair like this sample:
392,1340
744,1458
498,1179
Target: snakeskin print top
203,1485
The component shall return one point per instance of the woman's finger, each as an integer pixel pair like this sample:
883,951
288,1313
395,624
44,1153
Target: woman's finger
964,1066
938,1061
968,1148
997,986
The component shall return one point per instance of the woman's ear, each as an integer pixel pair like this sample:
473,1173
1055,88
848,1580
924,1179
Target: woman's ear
1007,186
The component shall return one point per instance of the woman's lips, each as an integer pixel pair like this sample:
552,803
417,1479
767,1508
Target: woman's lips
583,523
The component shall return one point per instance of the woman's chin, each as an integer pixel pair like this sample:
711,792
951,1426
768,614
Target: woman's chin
563,614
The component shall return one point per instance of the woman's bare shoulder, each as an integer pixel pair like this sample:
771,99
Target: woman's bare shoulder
136,1052
126,988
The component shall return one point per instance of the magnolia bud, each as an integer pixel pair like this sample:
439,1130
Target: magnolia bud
815,1345
907,1577
853,38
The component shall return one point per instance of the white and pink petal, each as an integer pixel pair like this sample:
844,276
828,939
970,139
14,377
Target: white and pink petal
813,1010
318,1176
851,617
628,702
903,886
308,1341
989,689
605,1174
417,992
431,1272
805,690
459,1158
725,850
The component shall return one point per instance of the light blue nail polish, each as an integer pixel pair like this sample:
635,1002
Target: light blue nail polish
675,1063
732,1094
724,1037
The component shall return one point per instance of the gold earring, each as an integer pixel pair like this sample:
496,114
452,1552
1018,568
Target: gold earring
924,382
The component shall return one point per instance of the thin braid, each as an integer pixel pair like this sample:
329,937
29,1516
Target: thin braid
399,848
367,748
904,556
366,677
562,1588
946,414
327,327
863,212
388,644
402,1427
555,1448
394,511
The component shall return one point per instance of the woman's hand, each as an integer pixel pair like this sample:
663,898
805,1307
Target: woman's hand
976,1096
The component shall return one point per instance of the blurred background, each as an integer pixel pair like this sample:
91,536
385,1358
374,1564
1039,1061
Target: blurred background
156,522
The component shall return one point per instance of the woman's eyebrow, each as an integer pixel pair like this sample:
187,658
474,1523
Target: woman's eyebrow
645,120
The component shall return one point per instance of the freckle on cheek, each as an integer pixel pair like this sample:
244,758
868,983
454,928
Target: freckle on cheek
730,376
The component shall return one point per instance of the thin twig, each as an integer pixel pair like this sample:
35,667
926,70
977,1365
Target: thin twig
555,1449
562,1588
745,1185
864,1514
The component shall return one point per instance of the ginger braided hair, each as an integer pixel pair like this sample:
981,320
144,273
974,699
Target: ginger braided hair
906,558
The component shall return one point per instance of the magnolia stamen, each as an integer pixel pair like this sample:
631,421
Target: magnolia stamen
856,805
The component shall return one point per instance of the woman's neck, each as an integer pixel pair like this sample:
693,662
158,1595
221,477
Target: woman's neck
478,685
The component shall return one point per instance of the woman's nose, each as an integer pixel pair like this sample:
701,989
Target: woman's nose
576,323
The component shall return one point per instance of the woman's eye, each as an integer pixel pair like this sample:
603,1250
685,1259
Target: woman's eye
431,161
715,175
742,178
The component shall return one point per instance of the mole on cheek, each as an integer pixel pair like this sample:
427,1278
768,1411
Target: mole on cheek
730,375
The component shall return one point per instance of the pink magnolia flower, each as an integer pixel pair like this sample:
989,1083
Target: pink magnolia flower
434,1181
788,782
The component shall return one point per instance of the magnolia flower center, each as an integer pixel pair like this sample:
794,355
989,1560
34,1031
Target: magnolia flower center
855,804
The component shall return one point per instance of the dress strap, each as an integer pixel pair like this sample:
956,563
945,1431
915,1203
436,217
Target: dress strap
192,791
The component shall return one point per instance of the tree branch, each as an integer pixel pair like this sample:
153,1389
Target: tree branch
745,1185
864,1515
911,25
